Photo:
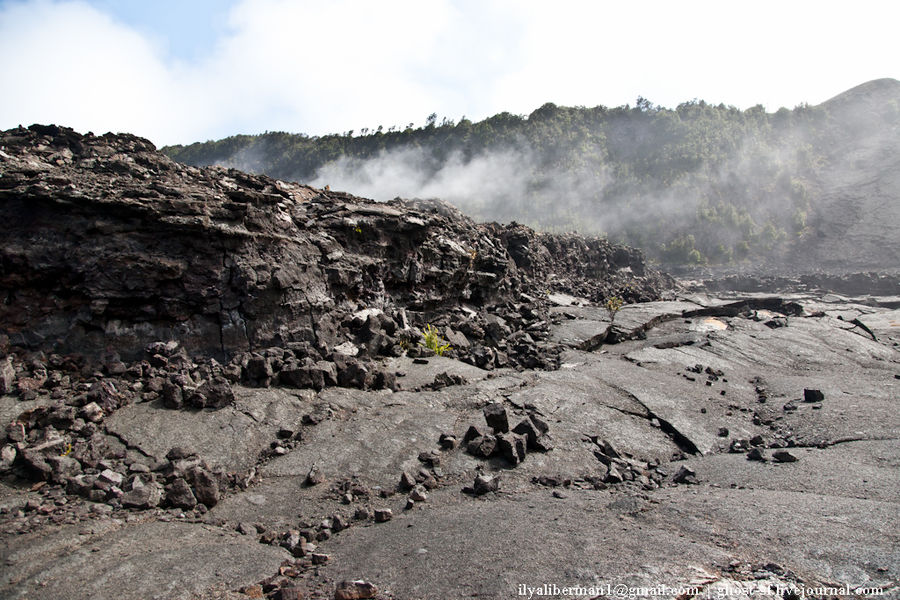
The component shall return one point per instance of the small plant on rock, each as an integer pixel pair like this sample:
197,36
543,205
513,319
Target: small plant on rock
434,341
612,305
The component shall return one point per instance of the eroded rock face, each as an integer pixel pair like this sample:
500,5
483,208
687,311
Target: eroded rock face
109,244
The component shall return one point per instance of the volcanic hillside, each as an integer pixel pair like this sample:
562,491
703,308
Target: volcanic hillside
797,190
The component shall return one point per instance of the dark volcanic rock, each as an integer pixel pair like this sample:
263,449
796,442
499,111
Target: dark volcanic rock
108,243
810,395
496,418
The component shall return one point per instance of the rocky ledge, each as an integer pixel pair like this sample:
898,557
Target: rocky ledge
109,245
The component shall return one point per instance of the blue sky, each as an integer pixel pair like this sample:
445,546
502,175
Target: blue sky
182,71
187,29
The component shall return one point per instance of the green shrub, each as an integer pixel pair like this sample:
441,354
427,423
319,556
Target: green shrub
613,304
434,341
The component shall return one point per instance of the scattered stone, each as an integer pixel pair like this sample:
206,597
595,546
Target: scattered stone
448,441
179,494
314,477
292,593
339,523
15,432
512,446
474,431
64,467
363,513
172,395
91,412
205,486
811,395
142,497
485,484
179,453
608,450
442,380
685,475
483,447
355,590
319,559
495,415
8,455
418,494
382,515
613,476
738,446
756,454
7,376
431,459
294,543
723,432
111,477
784,456
407,481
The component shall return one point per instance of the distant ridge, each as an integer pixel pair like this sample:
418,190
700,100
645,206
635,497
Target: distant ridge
694,185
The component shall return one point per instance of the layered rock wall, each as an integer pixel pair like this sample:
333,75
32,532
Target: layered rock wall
109,244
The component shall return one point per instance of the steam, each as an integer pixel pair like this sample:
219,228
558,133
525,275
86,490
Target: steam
749,190
509,184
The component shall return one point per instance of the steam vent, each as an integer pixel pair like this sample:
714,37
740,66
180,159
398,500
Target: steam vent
219,385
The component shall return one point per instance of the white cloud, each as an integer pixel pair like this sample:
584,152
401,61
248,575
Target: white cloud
319,67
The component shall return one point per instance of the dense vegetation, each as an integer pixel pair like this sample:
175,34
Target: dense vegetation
691,185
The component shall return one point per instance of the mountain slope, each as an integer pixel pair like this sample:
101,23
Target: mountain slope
691,185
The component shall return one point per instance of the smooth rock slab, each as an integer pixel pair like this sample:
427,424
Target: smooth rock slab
150,561
231,437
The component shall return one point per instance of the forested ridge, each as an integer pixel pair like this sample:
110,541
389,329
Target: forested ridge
694,184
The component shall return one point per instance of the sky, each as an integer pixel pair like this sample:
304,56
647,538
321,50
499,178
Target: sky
179,71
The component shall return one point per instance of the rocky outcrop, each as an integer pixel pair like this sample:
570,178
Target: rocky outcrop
109,245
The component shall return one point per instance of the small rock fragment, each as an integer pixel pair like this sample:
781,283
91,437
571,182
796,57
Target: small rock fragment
91,412
418,494
15,432
483,447
613,476
110,477
354,590
179,494
811,395
757,455
314,477
496,418
432,459
485,483
512,446
685,475
474,431
407,481
7,376
448,441
142,497
784,456
383,515
205,486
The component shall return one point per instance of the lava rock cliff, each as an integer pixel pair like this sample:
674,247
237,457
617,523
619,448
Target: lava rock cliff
109,245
